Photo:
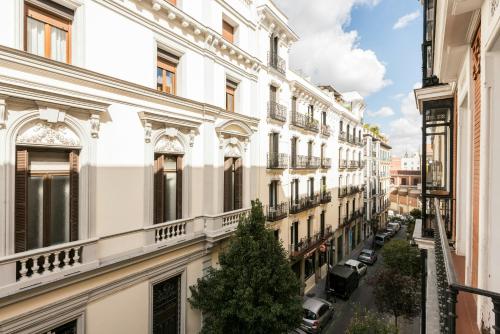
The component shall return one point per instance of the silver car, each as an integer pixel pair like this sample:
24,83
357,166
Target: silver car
317,313
359,267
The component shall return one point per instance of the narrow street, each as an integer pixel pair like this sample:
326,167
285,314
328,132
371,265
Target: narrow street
362,297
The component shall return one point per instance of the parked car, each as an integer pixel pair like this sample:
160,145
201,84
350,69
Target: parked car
360,267
390,232
394,225
368,256
381,239
297,331
317,313
341,281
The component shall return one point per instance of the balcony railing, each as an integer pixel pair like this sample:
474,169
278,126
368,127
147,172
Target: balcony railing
353,164
305,162
326,163
309,243
326,197
447,283
277,212
342,136
304,203
326,130
276,62
276,111
305,122
277,160
343,164
342,192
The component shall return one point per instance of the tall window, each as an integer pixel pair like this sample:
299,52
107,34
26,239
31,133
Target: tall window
309,227
168,188
48,34
322,223
230,95
323,184
310,111
294,104
167,306
166,72
227,31
294,235
273,194
311,187
294,151
70,327
295,191
46,197
323,118
233,184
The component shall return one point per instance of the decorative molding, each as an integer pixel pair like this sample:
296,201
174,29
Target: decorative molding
94,125
43,133
232,148
493,6
170,121
3,113
147,131
169,144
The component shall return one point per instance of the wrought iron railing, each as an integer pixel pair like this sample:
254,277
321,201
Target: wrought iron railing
305,162
277,212
342,192
305,245
304,203
326,197
276,111
277,160
305,122
326,130
326,163
343,164
342,136
276,62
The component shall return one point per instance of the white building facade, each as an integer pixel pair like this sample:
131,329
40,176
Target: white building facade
133,137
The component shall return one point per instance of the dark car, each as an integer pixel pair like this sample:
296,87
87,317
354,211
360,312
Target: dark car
341,281
368,256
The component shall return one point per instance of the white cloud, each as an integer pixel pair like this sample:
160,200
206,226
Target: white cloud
382,112
403,21
328,52
405,132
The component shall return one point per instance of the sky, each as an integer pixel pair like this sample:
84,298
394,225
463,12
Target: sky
369,46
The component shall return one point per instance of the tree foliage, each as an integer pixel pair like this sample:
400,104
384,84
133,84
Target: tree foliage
254,290
396,294
416,213
368,322
402,257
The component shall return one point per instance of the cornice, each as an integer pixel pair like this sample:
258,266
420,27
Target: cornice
302,91
274,24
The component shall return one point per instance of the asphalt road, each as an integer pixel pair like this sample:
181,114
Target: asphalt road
362,297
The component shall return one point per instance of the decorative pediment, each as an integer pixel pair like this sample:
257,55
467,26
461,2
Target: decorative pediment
169,143
52,134
232,149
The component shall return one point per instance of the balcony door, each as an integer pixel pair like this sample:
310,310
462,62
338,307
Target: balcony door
273,49
274,146
273,94
294,152
233,184
322,223
295,191
273,194
294,235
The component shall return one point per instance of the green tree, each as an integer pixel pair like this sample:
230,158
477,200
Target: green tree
416,213
254,290
368,322
402,257
396,294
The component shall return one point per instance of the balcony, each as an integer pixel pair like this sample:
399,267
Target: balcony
307,244
326,130
305,162
342,136
277,160
277,212
326,163
305,122
343,164
342,192
326,197
304,203
276,62
353,164
276,111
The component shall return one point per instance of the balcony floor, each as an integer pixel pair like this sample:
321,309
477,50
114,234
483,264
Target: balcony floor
466,305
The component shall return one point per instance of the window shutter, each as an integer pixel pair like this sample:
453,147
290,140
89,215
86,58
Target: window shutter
178,194
73,194
21,199
228,164
158,189
238,184
227,31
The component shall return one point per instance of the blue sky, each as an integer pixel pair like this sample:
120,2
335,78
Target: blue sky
354,45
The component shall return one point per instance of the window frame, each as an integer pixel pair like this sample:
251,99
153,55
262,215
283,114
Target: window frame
159,216
49,20
166,66
228,31
231,88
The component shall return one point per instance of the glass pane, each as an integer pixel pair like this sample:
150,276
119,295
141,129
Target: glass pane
170,162
59,210
438,160
35,37
58,44
159,79
35,212
170,82
229,102
170,196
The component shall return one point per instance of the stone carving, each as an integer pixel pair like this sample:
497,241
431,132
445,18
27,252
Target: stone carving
43,133
94,126
3,114
493,6
232,151
169,145
147,132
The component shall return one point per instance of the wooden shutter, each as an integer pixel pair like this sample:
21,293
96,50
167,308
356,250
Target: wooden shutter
178,192
73,194
228,186
476,156
158,189
238,184
21,200
227,31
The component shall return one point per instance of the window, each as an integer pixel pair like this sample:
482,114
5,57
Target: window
322,223
167,188
167,306
273,194
311,187
227,31
233,184
295,191
48,34
323,118
68,328
294,152
277,234
46,198
294,104
166,72
310,111
230,94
